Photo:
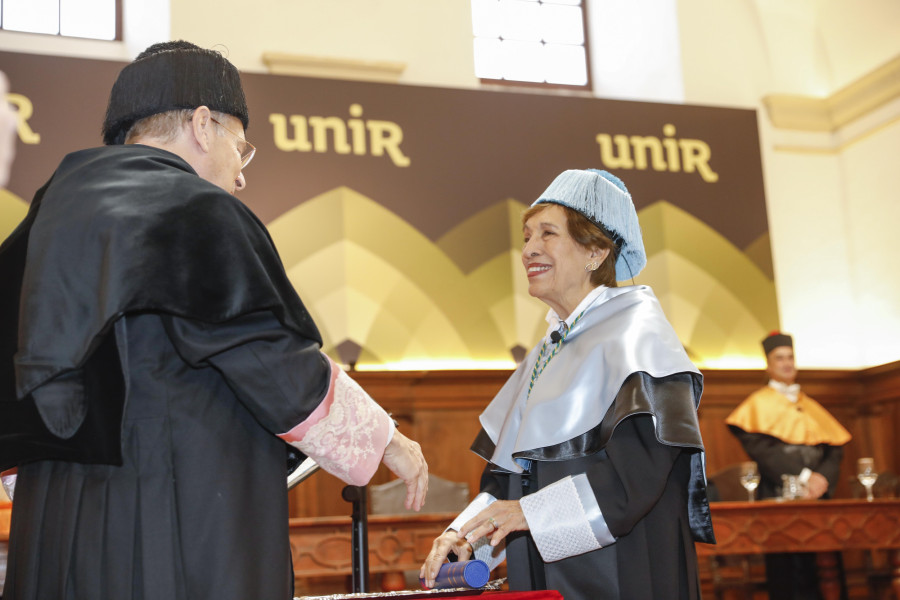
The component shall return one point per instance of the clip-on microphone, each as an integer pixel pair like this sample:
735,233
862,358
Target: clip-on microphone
557,336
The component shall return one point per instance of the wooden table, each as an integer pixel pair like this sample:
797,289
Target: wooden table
396,543
808,526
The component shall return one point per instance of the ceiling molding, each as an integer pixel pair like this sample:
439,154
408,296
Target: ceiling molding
280,63
829,114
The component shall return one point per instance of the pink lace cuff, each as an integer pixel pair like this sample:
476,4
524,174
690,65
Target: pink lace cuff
347,433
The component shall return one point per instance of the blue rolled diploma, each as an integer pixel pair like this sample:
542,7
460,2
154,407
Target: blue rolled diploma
469,573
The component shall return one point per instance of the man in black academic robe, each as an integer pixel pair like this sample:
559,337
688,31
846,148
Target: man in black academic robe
155,360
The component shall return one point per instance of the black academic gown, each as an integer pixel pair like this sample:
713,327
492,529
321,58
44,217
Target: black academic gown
643,487
160,350
198,509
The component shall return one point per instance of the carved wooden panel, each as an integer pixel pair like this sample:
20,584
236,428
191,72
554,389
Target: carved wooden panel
807,526
322,546
440,411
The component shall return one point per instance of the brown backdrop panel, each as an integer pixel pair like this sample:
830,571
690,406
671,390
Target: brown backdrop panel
467,149
436,161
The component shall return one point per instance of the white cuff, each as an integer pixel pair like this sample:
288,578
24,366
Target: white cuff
565,519
805,474
492,555
481,548
481,502
9,485
390,435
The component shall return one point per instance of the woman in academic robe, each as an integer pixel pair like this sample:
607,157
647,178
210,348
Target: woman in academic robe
594,483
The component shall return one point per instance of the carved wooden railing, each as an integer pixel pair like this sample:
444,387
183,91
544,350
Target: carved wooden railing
321,545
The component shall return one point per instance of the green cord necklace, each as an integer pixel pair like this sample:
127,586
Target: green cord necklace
540,364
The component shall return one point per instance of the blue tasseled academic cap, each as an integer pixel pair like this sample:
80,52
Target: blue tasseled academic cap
602,197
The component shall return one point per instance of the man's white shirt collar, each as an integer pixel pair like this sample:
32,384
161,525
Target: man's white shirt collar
792,392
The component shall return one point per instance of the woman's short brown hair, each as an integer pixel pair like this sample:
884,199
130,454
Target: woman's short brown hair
588,236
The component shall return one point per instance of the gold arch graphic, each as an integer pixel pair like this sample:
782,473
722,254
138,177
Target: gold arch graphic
370,278
12,210
718,298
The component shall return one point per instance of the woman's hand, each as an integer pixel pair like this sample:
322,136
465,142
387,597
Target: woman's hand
497,521
447,542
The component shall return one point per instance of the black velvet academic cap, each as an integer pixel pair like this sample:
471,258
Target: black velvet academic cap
776,339
171,76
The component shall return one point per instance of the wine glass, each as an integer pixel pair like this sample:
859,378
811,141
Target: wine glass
749,478
865,472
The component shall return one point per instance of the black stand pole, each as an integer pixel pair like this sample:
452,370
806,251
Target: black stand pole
360,541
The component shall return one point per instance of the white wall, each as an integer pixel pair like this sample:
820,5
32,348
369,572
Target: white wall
635,50
433,37
857,36
832,204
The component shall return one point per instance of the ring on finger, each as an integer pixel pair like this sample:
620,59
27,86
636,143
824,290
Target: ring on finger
493,523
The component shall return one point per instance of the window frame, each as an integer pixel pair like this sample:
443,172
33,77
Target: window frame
588,85
118,34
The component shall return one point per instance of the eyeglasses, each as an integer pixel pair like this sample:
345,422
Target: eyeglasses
245,148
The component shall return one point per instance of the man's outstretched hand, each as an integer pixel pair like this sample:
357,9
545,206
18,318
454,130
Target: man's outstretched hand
404,458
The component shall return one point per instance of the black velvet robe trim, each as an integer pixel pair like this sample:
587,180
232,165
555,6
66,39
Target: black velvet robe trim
117,230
